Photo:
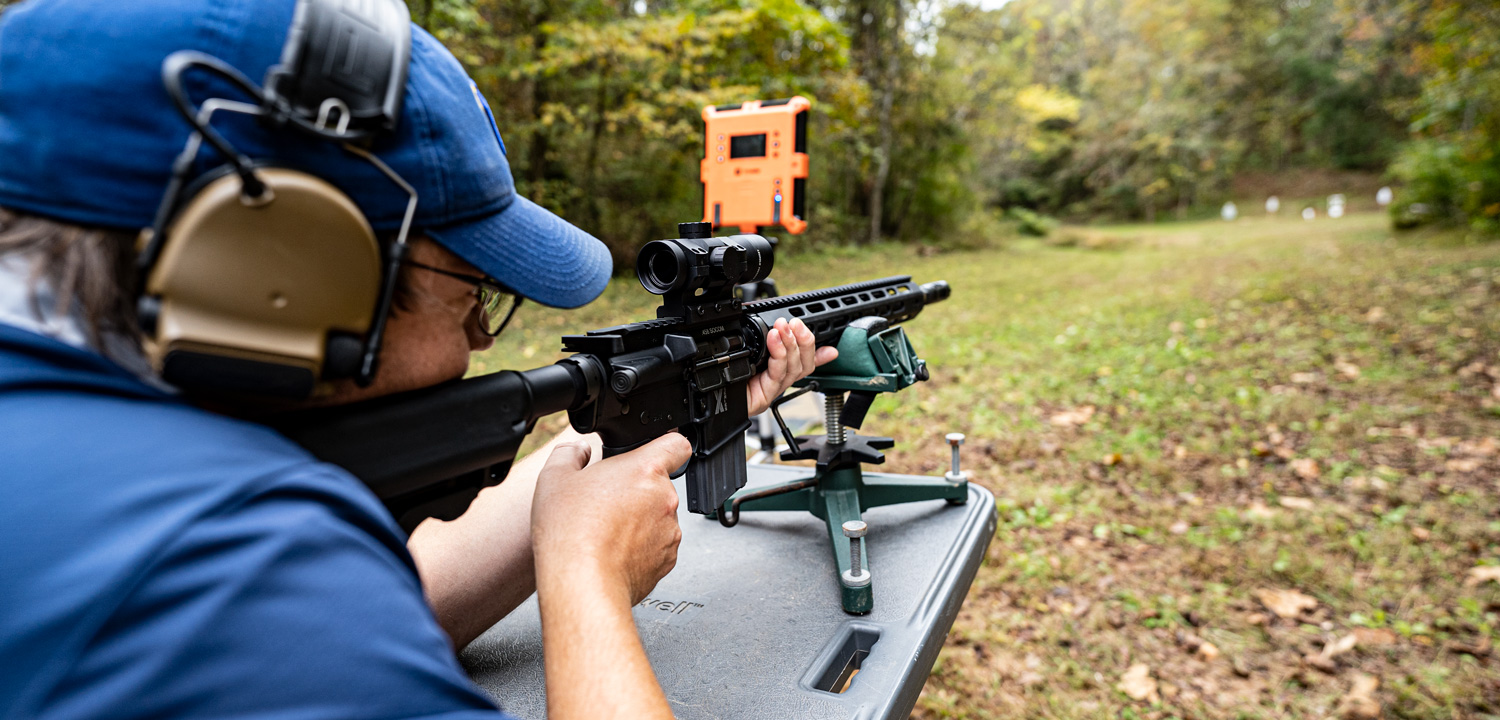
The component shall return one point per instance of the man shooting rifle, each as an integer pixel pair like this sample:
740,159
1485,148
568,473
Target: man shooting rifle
214,210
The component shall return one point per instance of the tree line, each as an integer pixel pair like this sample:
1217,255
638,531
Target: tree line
934,119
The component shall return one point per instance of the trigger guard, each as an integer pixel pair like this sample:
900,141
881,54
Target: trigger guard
611,451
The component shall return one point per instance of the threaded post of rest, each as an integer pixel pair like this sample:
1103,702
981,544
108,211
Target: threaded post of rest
833,413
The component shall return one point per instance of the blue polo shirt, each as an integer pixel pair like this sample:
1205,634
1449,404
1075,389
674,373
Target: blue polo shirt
157,560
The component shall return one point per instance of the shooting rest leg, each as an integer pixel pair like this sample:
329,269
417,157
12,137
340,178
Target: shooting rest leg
834,494
841,493
838,507
893,491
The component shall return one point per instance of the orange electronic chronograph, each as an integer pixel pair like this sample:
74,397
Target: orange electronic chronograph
754,167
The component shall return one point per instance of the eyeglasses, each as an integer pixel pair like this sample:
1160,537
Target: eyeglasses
497,303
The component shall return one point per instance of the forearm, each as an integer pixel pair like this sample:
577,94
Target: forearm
478,568
596,667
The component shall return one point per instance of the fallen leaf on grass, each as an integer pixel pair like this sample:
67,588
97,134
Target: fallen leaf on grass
1073,418
1483,573
1341,645
1464,465
1138,683
1306,468
1286,603
1480,649
1259,511
1437,443
1324,660
1483,448
1296,503
1360,703
1375,637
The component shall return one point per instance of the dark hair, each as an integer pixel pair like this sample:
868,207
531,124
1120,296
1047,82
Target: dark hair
89,266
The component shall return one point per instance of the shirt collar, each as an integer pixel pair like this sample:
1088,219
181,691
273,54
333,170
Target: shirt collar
28,302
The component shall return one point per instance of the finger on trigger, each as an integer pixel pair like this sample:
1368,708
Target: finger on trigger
670,451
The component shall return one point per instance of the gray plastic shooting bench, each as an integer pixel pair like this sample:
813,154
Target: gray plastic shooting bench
750,623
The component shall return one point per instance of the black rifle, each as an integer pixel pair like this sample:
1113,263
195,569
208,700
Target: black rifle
427,453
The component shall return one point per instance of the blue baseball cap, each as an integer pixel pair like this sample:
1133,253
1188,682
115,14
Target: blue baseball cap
88,135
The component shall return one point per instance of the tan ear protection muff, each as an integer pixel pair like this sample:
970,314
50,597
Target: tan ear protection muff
268,296
265,280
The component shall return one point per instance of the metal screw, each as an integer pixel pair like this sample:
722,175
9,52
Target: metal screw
833,412
955,440
856,575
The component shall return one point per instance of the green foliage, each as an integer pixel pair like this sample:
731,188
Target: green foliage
1032,223
600,104
600,101
1436,184
1451,169
938,118
1130,108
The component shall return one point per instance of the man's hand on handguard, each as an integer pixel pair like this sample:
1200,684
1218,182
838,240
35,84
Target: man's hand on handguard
794,355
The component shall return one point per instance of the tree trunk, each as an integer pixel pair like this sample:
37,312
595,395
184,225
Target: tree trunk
591,163
891,70
536,156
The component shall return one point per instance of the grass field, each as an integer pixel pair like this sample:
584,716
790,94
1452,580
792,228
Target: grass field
1244,470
